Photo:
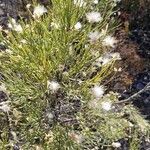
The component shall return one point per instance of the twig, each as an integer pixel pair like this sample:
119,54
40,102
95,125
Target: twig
134,96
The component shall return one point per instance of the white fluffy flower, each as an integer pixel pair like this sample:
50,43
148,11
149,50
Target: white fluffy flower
18,28
39,11
95,1
109,41
106,106
94,36
15,26
53,86
93,17
78,26
98,91
116,144
5,107
79,3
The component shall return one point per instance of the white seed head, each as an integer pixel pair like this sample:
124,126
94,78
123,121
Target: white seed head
98,91
53,86
116,144
5,107
93,17
94,36
106,106
39,11
109,41
15,26
95,1
18,28
78,26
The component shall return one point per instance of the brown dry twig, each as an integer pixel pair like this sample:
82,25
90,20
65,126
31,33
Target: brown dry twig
134,96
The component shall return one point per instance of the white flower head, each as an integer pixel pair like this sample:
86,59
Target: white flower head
5,107
78,26
93,17
15,26
116,144
39,11
95,1
94,36
106,106
80,3
109,41
18,28
98,91
53,86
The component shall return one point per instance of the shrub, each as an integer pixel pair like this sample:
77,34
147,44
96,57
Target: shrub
54,69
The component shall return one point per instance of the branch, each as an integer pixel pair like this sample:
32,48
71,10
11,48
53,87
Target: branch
134,96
